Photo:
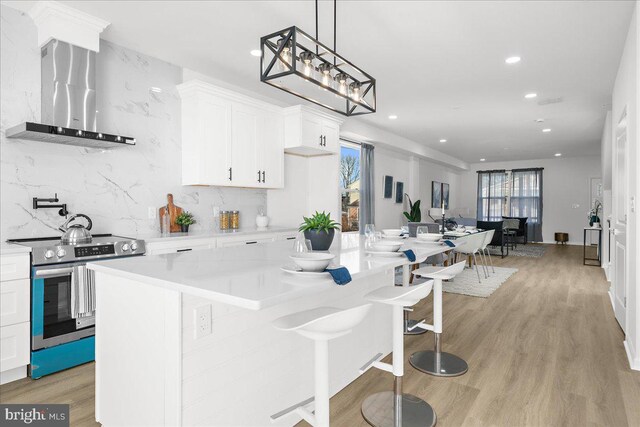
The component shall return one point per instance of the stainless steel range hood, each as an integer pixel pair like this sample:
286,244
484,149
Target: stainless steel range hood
68,101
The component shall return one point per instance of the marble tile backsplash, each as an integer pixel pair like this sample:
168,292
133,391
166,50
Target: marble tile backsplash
114,187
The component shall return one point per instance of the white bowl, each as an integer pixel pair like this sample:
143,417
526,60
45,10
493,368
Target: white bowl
392,232
429,237
312,261
386,246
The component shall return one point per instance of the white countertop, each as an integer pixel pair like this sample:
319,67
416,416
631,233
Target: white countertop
251,276
12,249
203,234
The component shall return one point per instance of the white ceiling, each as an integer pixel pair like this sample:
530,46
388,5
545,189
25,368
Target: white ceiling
439,65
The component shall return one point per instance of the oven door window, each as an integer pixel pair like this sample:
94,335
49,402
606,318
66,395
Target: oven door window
57,318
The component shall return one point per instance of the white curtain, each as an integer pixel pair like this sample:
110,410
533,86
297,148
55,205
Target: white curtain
526,200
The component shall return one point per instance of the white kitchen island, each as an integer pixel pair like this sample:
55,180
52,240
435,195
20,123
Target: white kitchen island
152,370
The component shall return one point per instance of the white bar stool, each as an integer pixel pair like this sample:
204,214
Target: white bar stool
393,408
436,362
321,325
410,326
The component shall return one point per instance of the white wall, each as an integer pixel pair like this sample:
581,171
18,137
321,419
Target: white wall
114,187
565,184
416,174
625,96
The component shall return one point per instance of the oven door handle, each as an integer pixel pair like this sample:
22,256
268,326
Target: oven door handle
54,272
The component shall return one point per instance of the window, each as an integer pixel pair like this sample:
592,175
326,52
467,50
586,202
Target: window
526,186
492,191
350,185
516,193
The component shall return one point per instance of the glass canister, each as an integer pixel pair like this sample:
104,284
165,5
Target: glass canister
234,220
224,220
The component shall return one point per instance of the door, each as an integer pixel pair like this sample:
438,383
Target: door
331,133
52,322
311,128
270,150
214,155
619,230
244,129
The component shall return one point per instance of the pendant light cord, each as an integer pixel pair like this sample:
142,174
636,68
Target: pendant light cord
316,26
334,31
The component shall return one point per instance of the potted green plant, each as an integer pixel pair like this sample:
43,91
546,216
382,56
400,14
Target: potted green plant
184,220
319,229
414,216
594,214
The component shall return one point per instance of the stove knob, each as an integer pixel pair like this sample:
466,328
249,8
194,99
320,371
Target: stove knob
61,253
125,247
49,254
134,246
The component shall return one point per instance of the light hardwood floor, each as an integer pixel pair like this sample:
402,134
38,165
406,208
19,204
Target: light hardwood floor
543,350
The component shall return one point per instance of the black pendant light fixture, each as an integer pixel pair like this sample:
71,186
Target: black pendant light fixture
297,63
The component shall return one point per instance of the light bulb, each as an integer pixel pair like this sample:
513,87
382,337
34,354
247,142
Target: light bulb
325,74
354,91
341,79
307,65
284,63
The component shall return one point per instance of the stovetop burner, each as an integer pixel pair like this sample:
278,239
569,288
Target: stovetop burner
42,239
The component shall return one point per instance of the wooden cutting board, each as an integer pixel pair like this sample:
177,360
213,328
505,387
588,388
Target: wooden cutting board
174,211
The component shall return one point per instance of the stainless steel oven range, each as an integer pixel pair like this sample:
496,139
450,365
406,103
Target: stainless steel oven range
61,338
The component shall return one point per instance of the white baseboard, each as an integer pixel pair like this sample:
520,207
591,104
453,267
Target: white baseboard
13,374
634,362
613,307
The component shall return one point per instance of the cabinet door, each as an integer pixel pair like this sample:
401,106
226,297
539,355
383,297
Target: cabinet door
244,131
270,150
14,346
311,130
212,150
14,301
331,134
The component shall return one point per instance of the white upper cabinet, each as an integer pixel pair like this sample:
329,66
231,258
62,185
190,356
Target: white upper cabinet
309,132
229,139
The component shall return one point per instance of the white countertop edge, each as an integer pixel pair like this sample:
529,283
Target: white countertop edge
13,249
244,302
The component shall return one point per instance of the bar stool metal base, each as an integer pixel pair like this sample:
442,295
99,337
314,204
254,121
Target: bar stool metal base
378,411
449,364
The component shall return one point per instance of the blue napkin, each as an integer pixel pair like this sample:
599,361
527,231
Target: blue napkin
449,243
340,275
410,255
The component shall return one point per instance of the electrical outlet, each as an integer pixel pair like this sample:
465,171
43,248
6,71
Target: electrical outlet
216,211
575,206
152,212
202,321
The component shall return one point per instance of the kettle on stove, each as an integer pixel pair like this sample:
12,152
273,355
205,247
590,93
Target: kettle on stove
76,233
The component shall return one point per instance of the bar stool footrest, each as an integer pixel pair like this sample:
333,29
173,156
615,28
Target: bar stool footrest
413,329
290,409
378,411
448,365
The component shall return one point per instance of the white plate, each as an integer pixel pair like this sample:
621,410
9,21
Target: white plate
291,269
404,236
385,254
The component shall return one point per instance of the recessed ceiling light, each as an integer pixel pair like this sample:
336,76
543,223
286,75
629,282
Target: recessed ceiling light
256,52
443,140
155,89
512,60
482,160
531,95
539,120
558,154
546,130
393,117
